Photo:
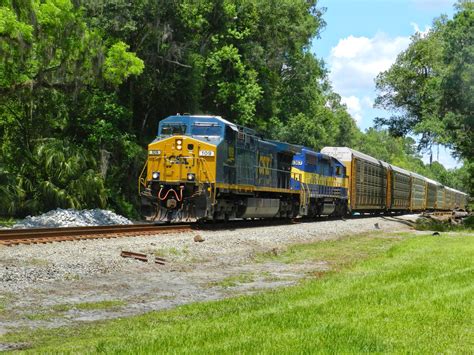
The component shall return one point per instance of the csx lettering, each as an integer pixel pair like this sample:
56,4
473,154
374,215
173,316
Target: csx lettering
265,165
177,160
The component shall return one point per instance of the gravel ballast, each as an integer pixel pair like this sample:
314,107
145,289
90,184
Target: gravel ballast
72,218
93,270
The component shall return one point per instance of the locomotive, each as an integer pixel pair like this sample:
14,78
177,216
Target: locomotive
207,168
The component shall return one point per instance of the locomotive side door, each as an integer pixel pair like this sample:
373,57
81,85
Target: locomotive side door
229,164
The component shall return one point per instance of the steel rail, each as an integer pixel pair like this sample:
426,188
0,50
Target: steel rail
47,235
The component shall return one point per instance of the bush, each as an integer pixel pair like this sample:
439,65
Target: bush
429,224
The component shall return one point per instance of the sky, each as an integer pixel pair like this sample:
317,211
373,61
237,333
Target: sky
363,38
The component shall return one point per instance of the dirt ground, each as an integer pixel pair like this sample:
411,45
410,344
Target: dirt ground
135,287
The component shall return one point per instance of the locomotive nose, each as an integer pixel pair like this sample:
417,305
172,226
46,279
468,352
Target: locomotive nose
181,159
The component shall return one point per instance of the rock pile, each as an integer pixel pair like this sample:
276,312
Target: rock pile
72,218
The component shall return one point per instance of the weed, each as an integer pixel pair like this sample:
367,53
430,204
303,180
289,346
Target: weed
171,251
269,277
38,262
41,316
71,277
234,280
7,222
429,224
88,306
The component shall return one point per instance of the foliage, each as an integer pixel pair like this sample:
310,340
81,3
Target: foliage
58,175
386,293
427,224
50,61
99,75
120,64
430,85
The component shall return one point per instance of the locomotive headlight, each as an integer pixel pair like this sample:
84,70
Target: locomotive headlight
154,152
179,142
191,177
179,147
155,175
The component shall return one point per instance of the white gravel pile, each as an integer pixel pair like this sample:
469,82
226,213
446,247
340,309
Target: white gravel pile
72,218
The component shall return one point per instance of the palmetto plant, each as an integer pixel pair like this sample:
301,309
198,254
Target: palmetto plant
6,193
60,174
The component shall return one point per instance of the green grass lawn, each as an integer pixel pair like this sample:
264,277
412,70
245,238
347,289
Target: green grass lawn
387,294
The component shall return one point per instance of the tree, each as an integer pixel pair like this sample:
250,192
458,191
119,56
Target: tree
429,87
49,61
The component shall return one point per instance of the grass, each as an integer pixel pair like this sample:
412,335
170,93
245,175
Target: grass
337,253
42,316
89,306
58,310
38,262
5,300
7,222
234,280
409,293
171,252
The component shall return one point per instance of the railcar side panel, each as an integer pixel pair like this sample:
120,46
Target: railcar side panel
440,198
418,193
400,189
431,195
370,185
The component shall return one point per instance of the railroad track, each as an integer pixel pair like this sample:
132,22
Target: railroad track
11,237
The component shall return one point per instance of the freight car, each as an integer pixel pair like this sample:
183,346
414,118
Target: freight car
207,168
418,193
368,179
376,186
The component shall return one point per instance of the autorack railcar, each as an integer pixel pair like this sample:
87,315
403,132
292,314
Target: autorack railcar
399,189
368,179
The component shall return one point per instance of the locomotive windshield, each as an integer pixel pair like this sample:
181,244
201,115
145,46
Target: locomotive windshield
173,129
206,129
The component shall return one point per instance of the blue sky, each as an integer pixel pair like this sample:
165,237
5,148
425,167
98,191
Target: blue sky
362,38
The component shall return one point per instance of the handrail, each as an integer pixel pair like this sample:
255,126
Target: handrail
206,173
141,180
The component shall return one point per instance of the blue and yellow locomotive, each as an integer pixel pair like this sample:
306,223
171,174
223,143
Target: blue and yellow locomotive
322,182
205,167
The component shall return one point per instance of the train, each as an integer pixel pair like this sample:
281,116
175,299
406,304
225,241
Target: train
205,168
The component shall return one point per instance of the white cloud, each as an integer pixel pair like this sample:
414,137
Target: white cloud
417,29
356,106
367,101
355,61
353,106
